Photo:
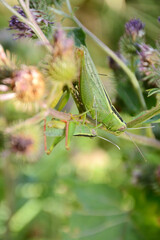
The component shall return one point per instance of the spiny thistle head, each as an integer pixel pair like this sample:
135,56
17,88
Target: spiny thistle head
134,28
23,30
26,87
61,64
26,143
21,143
149,58
28,84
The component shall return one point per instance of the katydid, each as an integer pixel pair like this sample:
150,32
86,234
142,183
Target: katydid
90,95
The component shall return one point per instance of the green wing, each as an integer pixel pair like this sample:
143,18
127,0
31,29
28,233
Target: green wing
92,91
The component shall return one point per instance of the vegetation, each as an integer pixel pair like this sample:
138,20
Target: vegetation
59,178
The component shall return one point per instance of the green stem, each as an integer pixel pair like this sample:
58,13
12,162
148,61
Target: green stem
130,74
145,116
38,118
33,120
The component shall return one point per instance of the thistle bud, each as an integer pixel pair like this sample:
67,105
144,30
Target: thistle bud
28,84
26,143
133,37
134,28
61,65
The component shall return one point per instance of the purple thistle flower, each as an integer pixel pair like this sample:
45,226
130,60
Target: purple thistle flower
148,58
23,30
159,19
134,28
15,24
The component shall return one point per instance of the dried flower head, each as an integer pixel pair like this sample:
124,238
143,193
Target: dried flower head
21,144
134,28
23,30
148,59
26,87
61,64
28,84
27,143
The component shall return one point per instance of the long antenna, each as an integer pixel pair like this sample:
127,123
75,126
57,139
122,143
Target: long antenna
141,127
136,146
108,141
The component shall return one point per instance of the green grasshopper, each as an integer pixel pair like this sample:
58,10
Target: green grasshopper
90,95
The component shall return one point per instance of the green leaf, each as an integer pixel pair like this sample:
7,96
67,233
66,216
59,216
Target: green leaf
153,91
25,215
78,36
101,216
103,195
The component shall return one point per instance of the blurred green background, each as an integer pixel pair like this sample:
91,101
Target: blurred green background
94,191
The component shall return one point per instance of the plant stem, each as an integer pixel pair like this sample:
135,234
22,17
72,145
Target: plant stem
27,3
130,74
38,118
33,120
145,116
